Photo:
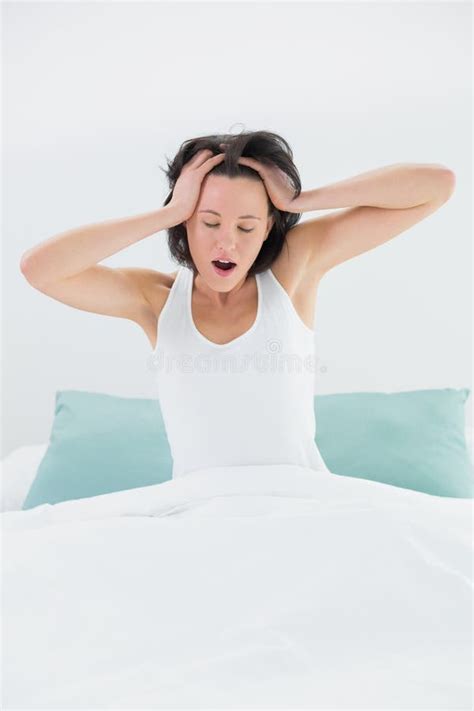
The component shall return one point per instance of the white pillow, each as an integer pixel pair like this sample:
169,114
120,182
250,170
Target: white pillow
18,470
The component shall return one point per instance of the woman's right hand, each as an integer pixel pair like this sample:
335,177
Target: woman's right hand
188,186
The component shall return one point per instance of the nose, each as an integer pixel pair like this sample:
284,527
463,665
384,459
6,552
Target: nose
226,243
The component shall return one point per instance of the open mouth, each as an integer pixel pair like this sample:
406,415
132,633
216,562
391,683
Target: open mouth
223,268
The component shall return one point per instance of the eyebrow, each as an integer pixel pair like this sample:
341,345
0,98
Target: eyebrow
240,218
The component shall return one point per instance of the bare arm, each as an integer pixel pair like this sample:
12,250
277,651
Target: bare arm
65,266
71,252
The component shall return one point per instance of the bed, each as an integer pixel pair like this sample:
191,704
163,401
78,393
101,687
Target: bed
257,586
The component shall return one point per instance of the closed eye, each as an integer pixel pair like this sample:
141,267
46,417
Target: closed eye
216,225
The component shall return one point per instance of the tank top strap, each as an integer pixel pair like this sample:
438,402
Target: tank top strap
174,306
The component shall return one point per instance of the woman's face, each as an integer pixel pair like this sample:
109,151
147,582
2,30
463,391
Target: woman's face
230,222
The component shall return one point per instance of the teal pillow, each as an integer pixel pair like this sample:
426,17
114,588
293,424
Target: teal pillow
101,443
413,439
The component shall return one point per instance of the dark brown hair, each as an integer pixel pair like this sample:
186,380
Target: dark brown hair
264,146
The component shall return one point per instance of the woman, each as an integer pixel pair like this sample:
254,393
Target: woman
270,584
232,328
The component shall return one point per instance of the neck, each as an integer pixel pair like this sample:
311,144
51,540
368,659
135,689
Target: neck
216,298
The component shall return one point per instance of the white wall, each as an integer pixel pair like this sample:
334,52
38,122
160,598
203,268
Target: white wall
95,96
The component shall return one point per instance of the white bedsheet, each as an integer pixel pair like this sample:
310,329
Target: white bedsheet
266,586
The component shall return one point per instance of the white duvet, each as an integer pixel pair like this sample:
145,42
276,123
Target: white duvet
266,586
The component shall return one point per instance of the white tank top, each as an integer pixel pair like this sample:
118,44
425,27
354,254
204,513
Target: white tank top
248,401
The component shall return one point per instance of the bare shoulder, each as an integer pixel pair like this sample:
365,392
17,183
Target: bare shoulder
157,287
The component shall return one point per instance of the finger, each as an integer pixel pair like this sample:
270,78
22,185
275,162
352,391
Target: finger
198,158
202,152
249,161
210,162
251,164
204,159
216,158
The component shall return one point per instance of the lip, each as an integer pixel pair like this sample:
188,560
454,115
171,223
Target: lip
223,272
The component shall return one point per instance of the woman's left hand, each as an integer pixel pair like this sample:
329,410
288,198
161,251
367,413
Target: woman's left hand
276,182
